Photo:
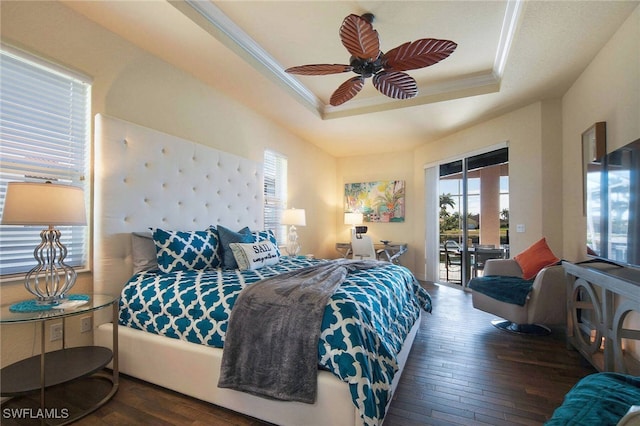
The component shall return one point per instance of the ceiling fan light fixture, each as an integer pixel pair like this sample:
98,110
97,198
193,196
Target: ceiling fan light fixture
366,67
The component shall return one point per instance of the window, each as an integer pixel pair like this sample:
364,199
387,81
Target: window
275,192
44,136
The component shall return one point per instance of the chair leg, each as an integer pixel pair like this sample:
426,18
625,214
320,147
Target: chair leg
527,329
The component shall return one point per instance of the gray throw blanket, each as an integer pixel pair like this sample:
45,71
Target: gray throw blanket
271,344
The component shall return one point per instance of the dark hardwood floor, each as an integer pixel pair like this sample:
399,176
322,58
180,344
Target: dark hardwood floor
461,371
464,371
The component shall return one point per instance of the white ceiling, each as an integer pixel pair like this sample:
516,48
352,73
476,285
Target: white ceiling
510,54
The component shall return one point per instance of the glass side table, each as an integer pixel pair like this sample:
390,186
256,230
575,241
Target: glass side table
61,366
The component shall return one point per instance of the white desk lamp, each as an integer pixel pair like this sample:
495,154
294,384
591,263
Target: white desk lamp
293,217
353,219
30,203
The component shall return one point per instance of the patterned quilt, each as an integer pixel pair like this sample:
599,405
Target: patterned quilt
364,323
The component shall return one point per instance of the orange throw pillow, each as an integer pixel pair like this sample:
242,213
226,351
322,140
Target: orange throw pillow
536,257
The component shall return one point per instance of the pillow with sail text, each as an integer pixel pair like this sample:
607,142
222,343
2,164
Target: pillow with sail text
254,255
267,236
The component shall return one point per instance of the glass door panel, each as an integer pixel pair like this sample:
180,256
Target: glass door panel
473,215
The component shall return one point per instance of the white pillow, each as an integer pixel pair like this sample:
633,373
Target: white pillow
254,255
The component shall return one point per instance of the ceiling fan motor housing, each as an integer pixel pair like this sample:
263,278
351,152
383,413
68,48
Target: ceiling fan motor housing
366,67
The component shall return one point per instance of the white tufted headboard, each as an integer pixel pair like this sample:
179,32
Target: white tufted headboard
147,178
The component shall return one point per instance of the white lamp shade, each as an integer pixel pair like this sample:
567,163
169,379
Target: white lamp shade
31,203
294,217
353,218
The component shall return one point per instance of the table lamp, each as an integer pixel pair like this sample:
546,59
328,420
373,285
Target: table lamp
353,219
32,203
293,217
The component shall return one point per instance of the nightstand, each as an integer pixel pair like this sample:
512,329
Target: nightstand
48,369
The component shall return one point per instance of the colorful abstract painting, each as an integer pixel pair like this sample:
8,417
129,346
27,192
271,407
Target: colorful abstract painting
381,201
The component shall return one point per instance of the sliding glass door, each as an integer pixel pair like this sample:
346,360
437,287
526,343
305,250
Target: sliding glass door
473,214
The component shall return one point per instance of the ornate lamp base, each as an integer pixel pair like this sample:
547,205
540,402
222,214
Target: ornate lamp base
51,279
293,246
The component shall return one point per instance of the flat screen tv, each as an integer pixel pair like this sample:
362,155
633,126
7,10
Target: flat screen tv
613,206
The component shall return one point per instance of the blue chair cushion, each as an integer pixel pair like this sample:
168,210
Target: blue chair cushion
507,289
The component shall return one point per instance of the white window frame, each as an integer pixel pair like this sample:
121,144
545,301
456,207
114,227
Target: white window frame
275,193
45,135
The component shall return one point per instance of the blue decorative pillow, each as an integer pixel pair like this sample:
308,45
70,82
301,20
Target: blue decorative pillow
267,236
186,250
227,236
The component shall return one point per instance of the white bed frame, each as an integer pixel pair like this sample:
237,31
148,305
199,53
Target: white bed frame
147,178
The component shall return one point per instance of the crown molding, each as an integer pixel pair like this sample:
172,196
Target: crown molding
210,18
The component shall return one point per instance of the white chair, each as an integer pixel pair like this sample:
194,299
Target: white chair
545,305
362,247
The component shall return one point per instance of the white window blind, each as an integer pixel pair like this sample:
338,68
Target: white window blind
275,193
44,136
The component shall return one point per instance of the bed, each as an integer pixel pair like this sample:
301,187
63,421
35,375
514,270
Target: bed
146,179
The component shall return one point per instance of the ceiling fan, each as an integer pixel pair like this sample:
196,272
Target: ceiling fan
362,42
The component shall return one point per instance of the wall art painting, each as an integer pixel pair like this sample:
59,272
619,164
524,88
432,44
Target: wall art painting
381,201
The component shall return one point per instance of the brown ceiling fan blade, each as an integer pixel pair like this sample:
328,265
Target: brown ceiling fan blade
319,69
397,85
359,37
418,54
346,91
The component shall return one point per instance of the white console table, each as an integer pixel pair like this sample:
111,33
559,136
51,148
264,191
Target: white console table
603,315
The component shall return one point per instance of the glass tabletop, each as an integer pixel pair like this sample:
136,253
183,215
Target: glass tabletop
95,302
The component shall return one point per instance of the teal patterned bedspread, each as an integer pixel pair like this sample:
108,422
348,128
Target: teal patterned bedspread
364,323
